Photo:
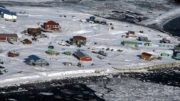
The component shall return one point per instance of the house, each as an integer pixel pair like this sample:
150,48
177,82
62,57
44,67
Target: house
26,41
130,34
51,26
34,60
34,31
132,44
8,37
8,15
176,52
13,53
82,56
144,39
67,53
79,40
51,50
147,56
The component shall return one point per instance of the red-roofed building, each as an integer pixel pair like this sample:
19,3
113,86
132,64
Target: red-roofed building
8,37
51,26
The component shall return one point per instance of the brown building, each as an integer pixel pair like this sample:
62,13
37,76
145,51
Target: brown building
8,37
34,31
79,40
147,56
26,41
13,54
51,26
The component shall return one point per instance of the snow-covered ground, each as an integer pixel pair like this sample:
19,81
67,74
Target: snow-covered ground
73,24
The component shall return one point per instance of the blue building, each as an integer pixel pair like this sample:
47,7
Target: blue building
36,61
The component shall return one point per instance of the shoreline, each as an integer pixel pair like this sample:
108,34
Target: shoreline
69,75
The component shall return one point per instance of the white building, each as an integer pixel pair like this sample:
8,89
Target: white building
8,15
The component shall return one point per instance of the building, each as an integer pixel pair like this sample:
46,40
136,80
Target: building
8,37
51,51
8,15
26,41
51,26
13,54
82,56
34,31
34,60
130,34
79,40
144,39
132,44
147,56
176,52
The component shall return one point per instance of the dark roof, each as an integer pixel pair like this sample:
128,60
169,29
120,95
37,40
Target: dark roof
147,54
33,57
9,35
79,38
78,53
4,10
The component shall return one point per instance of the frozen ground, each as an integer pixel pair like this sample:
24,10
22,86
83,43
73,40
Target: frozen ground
150,13
19,72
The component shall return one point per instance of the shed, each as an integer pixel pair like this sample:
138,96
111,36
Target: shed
8,37
82,56
147,56
26,41
51,26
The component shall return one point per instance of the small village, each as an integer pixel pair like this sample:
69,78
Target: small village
48,44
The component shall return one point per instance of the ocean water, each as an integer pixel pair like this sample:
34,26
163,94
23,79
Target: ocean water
157,85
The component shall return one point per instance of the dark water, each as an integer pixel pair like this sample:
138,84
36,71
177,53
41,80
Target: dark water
77,89
173,27
49,92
